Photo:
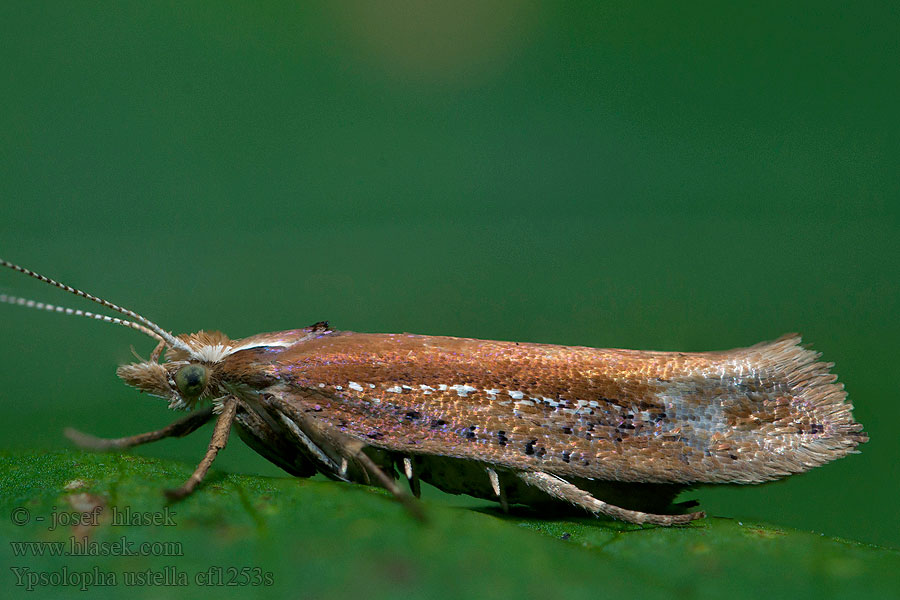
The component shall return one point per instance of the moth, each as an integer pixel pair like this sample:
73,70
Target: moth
615,432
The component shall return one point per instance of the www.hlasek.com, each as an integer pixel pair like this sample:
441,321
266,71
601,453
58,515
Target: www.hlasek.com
85,546
214,576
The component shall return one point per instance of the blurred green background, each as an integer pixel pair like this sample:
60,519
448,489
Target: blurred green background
612,174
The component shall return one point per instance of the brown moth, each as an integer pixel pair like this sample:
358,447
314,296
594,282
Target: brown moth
616,432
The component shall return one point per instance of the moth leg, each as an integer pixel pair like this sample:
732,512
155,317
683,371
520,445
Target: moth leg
498,489
352,449
218,441
412,476
369,465
563,490
154,356
349,449
179,428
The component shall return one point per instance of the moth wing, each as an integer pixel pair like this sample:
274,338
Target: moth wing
746,415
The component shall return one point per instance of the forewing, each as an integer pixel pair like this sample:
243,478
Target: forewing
745,415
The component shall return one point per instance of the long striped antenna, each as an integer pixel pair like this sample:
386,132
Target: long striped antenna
140,323
77,312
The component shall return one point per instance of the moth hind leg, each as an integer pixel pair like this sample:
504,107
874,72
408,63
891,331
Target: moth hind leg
563,490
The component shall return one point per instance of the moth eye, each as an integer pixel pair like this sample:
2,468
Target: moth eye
191,380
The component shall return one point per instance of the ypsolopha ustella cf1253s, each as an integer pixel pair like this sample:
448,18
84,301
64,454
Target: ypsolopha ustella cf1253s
616,432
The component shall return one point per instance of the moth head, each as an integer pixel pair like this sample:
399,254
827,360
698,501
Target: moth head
182,383
187,377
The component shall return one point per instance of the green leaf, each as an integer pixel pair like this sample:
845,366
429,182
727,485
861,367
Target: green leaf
320,539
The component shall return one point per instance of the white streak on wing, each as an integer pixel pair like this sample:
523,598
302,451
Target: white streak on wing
463,390
263,345
407,468
355,386
395,389
516,395
217,352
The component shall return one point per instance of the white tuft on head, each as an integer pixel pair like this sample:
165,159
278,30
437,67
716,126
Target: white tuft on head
212,352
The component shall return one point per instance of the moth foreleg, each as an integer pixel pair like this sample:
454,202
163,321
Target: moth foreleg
218,441
563,490
154,356
179,428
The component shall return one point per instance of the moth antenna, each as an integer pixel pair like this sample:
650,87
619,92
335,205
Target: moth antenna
78,313
145,325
